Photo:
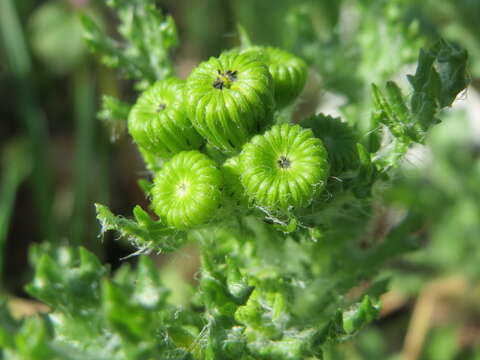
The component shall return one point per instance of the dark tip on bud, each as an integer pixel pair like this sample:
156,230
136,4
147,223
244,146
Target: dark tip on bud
224,79
283,162
218,84
161,107
231,75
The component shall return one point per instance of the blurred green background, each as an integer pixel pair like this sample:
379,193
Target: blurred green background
58,158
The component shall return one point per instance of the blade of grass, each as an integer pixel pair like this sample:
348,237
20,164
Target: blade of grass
84,163
19,63
102,191
16,165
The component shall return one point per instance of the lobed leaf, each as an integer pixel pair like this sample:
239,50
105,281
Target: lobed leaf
143,232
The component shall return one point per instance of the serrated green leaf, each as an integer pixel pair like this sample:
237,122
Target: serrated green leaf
359,315
237,284
245,41
146,186
114,114
440,76
116,304
149,291
143,232
65,290
148,36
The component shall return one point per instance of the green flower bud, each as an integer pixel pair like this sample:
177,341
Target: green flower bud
229,99
339,139
158,122
284,168
187,190
288,71
232,171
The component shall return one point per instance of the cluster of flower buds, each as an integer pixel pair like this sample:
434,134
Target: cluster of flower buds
227,107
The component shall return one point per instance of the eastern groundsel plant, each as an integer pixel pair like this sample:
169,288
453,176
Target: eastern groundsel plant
282,211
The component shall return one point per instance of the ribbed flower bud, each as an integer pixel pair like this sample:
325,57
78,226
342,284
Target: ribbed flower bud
187,190
339,139
284,168
288,71
229,99
232,172
158,121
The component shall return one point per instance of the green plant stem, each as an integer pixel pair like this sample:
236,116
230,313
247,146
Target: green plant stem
19,63
83,164
8,189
